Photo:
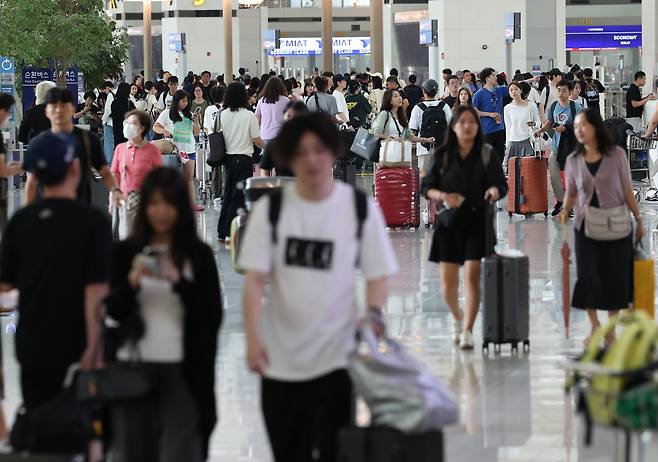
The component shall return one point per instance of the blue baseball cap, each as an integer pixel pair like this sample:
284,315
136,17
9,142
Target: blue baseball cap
49,157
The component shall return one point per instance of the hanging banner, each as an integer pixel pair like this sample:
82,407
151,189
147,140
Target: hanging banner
305,46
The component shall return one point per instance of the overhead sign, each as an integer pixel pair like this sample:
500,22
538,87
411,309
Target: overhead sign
603,37
32,76
177,42
304,46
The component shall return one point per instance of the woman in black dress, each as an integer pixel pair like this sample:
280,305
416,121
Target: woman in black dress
120,107
598,176
465,176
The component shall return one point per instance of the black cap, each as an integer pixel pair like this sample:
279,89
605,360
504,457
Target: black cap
555,71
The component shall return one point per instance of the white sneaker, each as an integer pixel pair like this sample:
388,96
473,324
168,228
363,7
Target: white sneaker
457,329
466,341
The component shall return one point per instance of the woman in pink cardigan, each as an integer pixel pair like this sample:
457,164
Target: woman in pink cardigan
598,176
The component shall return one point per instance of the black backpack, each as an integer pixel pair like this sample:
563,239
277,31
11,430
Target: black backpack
434,123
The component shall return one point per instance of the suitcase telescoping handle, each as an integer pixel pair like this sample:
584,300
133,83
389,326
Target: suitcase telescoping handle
490,229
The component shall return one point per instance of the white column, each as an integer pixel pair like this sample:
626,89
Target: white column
228,40
650,42
560,33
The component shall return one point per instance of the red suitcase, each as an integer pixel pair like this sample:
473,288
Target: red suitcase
397,193
528,186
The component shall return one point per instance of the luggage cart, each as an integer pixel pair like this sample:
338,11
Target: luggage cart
202,173
635,147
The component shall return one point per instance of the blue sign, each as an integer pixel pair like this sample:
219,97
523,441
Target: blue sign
32,76
306,46
425,32
177,42
603,37
6,65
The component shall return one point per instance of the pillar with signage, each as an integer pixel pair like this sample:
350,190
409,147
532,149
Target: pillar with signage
512,33
7,85
650,42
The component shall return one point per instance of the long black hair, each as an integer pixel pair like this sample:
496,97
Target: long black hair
603,142
451,142
175,107
175,191
235,97
388,106
123,91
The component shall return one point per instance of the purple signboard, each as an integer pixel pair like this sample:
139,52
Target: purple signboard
603,37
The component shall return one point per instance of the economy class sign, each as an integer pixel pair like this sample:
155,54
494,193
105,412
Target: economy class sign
603,37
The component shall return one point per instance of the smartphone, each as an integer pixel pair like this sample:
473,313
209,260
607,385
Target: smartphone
197,110
152,258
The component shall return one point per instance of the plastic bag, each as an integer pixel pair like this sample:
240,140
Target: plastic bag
399,390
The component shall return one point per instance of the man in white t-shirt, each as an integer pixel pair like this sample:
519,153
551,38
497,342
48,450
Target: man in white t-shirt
309,241
549,95
430,92
210,116
339,93
164,102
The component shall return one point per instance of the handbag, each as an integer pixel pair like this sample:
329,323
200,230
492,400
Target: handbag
399,390
395,154
216,144
644,285
115,382
61,425
365,144
607,224
164,145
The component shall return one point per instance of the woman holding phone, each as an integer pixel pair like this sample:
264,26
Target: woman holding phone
182,126
521,120
166,300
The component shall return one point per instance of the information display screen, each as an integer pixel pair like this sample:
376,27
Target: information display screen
603,37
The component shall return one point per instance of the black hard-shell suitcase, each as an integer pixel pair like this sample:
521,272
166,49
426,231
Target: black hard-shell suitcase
505,297
382,444
505,301
345,170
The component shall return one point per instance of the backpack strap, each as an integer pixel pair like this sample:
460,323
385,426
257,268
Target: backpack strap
361,206
422,106
572,106
548,94
274,212
441,105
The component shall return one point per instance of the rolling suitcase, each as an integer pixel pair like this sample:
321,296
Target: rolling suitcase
528,188
381,444
345,171
505,284
397,193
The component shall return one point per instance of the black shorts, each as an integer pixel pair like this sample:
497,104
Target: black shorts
464,241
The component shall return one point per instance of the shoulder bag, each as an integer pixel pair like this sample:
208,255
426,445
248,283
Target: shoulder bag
217,144
607,224
395,154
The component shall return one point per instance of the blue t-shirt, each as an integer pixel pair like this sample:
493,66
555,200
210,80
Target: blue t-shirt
491,101
561,116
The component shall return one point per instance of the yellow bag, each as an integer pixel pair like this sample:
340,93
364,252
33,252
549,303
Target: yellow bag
644,284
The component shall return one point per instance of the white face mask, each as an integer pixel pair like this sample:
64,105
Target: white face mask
130,131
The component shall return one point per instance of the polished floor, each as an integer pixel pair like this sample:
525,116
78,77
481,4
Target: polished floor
513,407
